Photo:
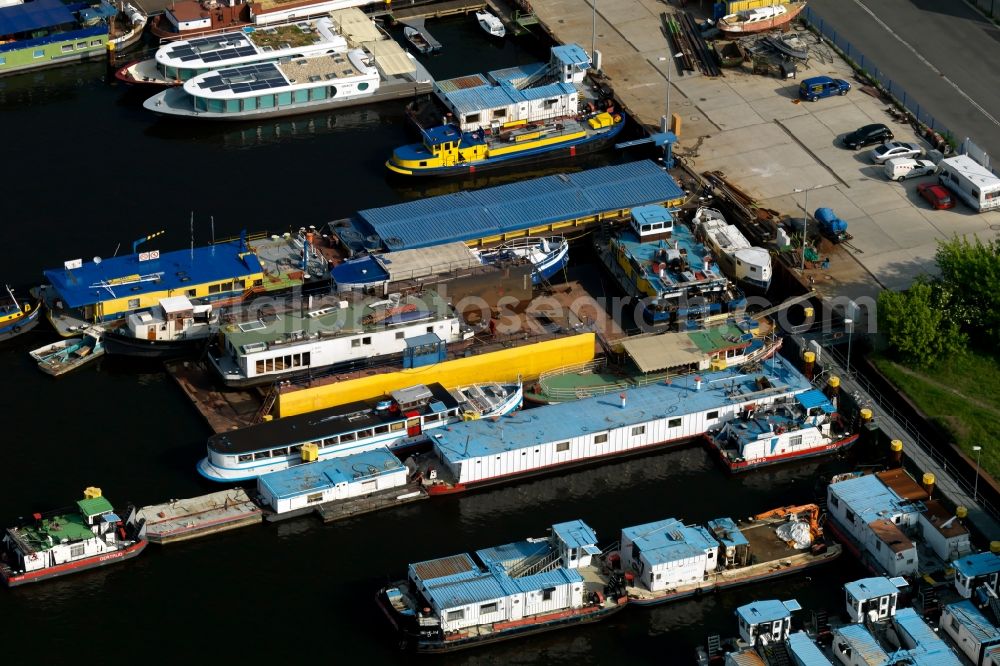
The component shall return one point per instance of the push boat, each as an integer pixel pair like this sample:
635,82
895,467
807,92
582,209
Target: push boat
761,19
181,60
69,354
398,421
748,266
70,540
548,256
667,560
15,317
504,592
664,266
491,24
174,328
512,116
804,426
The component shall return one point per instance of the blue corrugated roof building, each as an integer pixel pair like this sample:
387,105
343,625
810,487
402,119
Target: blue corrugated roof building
768,610
516,75
980,564
575,534
509,554
570,54
472,587
917,631
864,645
34,15
324,474
180,269
805,652
816,398
973,620
474,214
484,98
871,499
727,532
669,540
563,421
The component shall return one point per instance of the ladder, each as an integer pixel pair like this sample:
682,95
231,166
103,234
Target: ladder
540,563
265,406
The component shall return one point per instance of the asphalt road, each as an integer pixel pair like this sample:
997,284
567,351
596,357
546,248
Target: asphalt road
942,52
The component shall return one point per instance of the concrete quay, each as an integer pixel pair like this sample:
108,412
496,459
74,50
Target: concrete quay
784,153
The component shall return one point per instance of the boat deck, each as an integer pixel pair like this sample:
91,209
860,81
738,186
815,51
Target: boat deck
179,520
333,511
223,409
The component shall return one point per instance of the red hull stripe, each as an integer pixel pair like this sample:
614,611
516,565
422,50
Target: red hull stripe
770,460
70,567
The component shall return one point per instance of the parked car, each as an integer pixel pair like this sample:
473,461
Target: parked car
891,149
818,87
867,135
936,195
901,168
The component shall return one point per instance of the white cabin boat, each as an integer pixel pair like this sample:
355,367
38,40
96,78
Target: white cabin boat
492,25
548,256
174,327
395,421
60,357
748,265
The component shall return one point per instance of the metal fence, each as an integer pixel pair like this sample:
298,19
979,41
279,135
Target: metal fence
869,67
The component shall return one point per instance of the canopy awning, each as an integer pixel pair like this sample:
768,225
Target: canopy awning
390,58
355,26
659,352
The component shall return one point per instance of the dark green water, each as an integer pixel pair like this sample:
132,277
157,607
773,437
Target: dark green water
86,169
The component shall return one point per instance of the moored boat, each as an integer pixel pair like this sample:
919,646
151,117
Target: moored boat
397,421
749,266
500,593
51,33
417,39
548,256
69,354
16,317
491,24
805,426
760,19
68,541
175,327
126,28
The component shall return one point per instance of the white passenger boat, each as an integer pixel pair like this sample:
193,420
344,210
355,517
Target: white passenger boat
492,25
397,421
60,357
747,265
548,256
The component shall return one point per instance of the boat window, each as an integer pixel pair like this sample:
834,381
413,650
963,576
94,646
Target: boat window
430,329
453,412
472,118
191,293
297,448
430,418
261,455
639,430
356,342
849,515
301,95
95,42
269,364
77,550
674,423
485,609
317,93
266,101
215,105
423,164
499,113
296,360
547,593
712,415
834,501
284,98
381,430
305,358
330,441
66,48
246,457
601,439
39,53
133,303
795,441
398,425
348,437
366,340
315,497
455,615
214,288
279,363
260,367
364,434
562,446
279,452
363,85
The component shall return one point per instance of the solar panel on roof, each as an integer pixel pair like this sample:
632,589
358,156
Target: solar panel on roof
246,51
259,85
189,57
218,88
241,87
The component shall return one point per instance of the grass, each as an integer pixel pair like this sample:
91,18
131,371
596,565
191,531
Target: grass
962,395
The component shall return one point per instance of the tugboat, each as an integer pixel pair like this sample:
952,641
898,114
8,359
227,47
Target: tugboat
17,318
504,592
70,540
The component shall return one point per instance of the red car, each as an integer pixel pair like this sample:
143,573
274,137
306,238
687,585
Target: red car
937,196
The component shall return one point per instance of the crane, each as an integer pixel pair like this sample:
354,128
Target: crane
811,510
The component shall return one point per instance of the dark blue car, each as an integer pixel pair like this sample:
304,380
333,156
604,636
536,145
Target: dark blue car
822,86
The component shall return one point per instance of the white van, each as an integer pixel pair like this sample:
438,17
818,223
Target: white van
901,168
971,181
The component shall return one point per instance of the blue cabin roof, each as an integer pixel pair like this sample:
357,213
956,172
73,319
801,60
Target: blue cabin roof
865,646
669,540
967,615
768,610
727,532
815,398
179,269
575,534
34,16
477,586
324,474
913,625
435,136
516,75
509,554
483,98
871,499
564,421
980,564
871,588
359,271
570,54
102,11
652,214
472,214
805,652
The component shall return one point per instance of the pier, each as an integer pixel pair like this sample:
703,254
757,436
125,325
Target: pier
415,14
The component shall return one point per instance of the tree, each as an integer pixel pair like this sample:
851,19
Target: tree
970,284
917,324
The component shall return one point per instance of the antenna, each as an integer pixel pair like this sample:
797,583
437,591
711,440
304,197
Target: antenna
213,229
192,235
117,247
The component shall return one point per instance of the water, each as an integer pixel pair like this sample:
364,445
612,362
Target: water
86,172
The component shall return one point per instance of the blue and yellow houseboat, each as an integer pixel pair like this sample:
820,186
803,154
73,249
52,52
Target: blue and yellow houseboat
48,33
103,291
662,264
16,318
511,116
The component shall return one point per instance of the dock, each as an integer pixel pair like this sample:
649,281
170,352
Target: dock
419,25
341,509
180,520
423,11
223,409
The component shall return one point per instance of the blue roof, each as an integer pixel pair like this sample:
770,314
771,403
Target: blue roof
768,610
815,398
575,534
652,214
102,11
871,499
979,564
33,16
571,54
669,540
468,215
483,98
870,588
477,586
423,339
868,649
519,73
727,532
563,421
977,624
180,269
805,652
907,620
441,134
324,474
509,554
359,271
645,253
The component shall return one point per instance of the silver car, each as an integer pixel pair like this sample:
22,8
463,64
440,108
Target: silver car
891,149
